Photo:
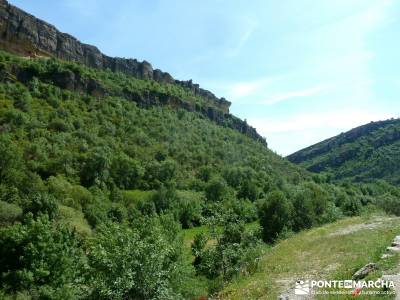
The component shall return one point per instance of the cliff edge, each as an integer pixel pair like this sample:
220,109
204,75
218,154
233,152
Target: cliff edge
24,34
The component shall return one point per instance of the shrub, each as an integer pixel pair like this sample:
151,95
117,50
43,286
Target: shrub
216,189
236,251
248,190
126,172
163,199
244,209
21,96
9,212
96,169
351,206
41,203
139,262
10,162
275,216
40,257
303,213
117,212
390,204
187,208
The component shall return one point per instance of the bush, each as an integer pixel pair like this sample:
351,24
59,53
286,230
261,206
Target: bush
126,172
351,206
275,216
244,209
117,212
96,169
164,199
40,257
390,204
248,190
11,165
187,208
303,213
158,174
9,212
236,251
22,97
216,189
41,203
142,262
96,212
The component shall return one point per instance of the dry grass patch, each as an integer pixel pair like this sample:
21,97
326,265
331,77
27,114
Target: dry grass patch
336,249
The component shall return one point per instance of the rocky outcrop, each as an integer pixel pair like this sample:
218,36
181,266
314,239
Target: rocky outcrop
72,80
24,34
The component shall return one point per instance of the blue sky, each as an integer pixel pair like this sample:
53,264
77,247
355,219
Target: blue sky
299,71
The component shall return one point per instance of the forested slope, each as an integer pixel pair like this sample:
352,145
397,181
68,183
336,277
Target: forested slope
105,162
125,175
365,153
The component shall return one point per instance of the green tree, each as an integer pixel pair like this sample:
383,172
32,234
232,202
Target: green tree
216,189
96,170
275,216
303,213
139,262
235,251
40,257
126,172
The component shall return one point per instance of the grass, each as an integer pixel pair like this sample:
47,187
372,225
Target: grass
333,251
136,196
74,219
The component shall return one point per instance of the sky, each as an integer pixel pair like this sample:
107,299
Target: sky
299,71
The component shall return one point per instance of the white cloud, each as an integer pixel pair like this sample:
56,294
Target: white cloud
248,25
283,96
335,119
294,132
244,89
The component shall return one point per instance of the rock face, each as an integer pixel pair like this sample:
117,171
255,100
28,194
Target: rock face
24,34
364,271
71,79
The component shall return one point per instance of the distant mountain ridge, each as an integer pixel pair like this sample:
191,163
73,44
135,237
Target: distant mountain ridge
365,153
22,33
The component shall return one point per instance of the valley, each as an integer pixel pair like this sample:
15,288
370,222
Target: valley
118,181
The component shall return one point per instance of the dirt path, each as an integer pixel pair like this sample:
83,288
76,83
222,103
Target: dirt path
289,285
393,248
316,254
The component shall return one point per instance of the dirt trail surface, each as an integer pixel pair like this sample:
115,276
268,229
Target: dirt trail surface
291,285
391,250
316,254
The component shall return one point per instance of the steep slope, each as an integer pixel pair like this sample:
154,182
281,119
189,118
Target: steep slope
26,35
77,109
92,166
101,168
365,153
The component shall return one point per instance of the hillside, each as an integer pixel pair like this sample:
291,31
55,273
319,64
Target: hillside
115,184
365,153
24,34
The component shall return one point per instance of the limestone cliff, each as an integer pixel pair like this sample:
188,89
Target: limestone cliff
24,34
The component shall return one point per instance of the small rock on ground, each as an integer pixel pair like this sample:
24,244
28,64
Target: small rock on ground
364,271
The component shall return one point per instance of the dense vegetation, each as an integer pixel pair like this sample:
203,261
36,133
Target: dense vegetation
363,154
95,191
